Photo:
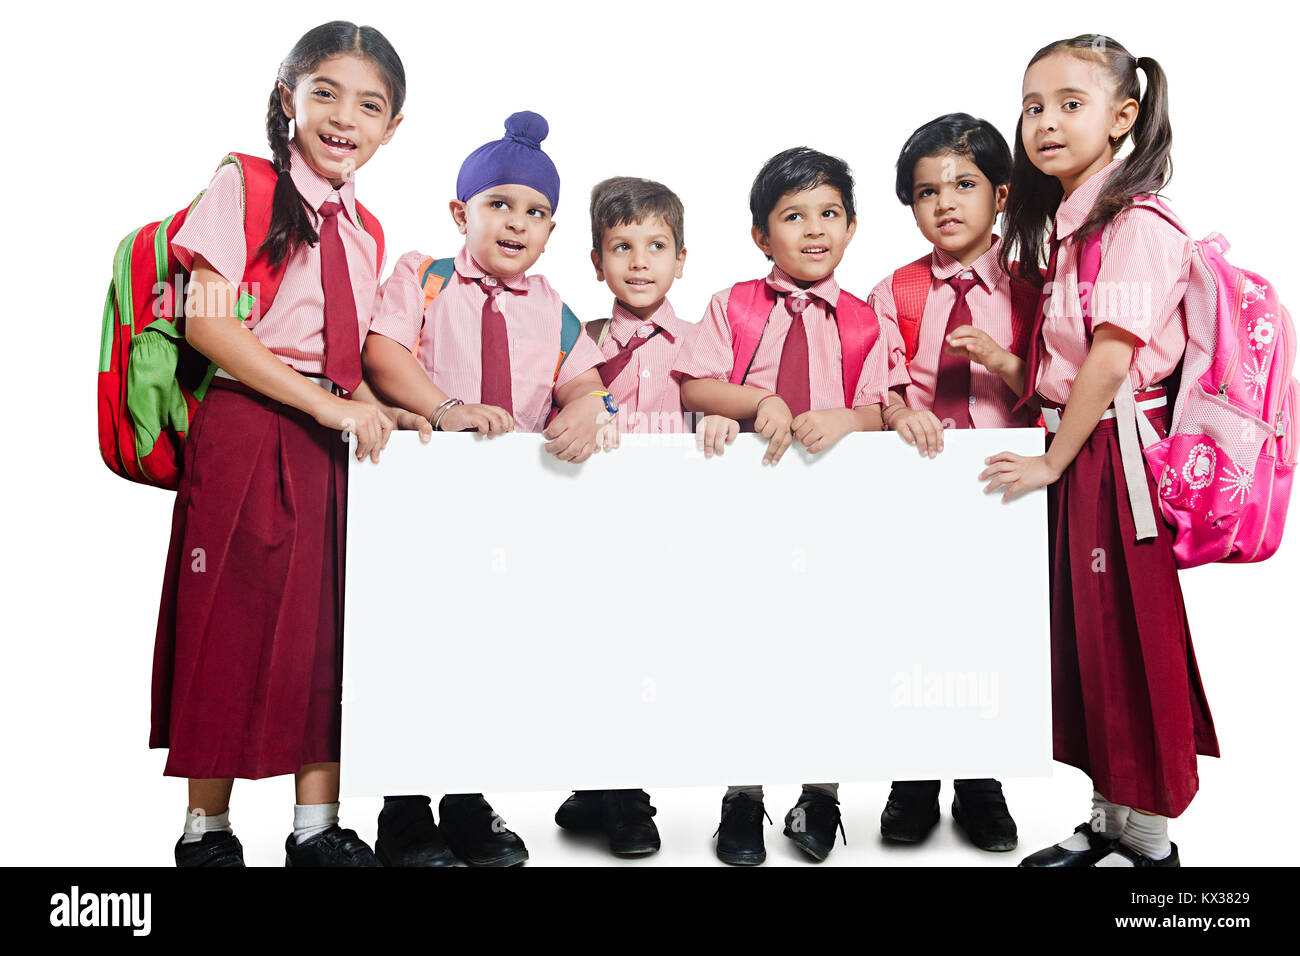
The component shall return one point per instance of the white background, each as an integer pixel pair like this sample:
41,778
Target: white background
117,115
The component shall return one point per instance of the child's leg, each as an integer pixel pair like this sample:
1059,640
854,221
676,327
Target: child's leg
316,787
209,808
1146,834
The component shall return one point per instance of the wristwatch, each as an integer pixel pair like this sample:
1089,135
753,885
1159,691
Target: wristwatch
611,406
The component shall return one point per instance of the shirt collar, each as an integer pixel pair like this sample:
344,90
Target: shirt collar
825,289
986,268
469,269
1073,211
316,189
623,324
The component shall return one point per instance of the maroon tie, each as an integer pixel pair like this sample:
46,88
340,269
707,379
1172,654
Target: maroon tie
612,368
342,335
952,386
792,373
495,356
1035,337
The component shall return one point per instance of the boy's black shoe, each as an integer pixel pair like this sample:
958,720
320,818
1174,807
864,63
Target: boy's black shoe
476,834
911,811
1058,856
980,810
408,836
812,821
628,820
334,847
582,811
1141,859
217,848
740,832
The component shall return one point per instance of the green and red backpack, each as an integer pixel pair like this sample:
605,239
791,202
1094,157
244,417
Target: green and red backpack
150,380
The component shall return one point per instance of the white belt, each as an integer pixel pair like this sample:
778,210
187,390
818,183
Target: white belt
320,380
1052,416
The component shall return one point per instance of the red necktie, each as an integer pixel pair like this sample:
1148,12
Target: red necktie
611,369
792,373
342,334
952,386
1035,337
495,356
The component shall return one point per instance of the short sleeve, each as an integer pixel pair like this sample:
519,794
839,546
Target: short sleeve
707,354
399,308
877,378
214,228
882,303
583,356
1143,276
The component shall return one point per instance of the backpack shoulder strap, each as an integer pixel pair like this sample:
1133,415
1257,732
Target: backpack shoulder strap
258,178
371,225
570,329
1024,307
1094,246
434,274
598,331
859,330
911,288
748,307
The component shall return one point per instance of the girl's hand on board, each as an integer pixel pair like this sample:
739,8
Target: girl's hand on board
919,427
772,421
409,421
1017,474
714,433
366,421
977,346
821,429
487,420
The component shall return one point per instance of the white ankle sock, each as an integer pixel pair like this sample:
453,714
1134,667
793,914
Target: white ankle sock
313,818
1106,818
1145,833
198,823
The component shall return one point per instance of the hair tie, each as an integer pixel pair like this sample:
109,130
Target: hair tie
284,171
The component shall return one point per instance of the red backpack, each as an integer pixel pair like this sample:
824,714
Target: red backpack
150,380
749,307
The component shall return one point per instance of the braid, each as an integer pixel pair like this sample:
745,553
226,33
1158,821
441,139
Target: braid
291,224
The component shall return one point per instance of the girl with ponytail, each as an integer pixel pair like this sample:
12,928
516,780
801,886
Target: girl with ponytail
1128,707
248,650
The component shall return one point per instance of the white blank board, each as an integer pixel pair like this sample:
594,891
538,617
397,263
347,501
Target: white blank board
655,618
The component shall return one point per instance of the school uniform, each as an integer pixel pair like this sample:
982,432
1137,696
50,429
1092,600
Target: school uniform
637,367
447,337
1128,707
991,401
248,653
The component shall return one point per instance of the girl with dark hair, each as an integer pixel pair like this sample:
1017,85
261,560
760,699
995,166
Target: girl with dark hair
1128,707
247,662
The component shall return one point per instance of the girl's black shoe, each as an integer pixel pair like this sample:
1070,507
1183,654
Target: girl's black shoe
1058,856
334,847
217,848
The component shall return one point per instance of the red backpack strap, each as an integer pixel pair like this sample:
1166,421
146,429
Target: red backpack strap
371,225
748,308
260,282
911,287
1024,306
859,331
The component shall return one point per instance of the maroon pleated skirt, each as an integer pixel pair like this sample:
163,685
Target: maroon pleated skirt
1128,708
248,655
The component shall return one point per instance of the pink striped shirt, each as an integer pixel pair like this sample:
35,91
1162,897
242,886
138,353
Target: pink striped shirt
293,328
447,338
1144,273
991,400
649,397
710,354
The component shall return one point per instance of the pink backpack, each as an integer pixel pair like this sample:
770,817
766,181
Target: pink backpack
751,303
1224,473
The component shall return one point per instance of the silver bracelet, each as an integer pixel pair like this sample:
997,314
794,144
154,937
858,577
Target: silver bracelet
443,409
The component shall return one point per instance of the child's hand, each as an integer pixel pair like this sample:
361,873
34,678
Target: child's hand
977,346
1017,474
575,432
714,433
485,419
607,437
772,421
407,420
919,427
820,429
368,422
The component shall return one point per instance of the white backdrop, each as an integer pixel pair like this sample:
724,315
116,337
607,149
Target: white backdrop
118,115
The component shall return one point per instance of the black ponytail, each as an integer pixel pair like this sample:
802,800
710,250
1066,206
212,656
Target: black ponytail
1035,196
292,219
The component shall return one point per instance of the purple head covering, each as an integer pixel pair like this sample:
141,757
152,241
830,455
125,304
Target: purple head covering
515,158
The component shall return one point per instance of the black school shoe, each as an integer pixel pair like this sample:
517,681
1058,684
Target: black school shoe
980,810
581,811
333,847
1058,856
911,811
740,832
476,834
217,848
811,823
625,816
408,836
1141,859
